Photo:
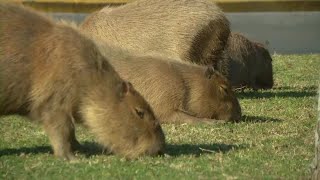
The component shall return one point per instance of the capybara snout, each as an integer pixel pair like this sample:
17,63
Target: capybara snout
157,144
232,111
264,79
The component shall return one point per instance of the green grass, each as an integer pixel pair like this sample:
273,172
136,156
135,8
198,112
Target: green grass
275,139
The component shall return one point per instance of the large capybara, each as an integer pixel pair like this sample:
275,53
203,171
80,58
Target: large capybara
250,63
186,30
53,74
178,92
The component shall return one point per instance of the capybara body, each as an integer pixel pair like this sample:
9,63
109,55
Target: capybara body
56,76
185,30
250,63
178,92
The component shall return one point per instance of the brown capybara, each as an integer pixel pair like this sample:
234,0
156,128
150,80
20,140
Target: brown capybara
178,92
53,74
187,30
250,63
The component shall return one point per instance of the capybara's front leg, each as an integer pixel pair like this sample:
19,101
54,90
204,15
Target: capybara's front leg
61,132
183,117
75,145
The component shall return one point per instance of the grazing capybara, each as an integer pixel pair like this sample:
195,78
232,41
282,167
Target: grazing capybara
56,76
250,63
194,30
178,92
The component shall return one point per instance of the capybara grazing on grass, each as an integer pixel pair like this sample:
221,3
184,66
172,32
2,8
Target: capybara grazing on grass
56,76
250,63
193,30
178,92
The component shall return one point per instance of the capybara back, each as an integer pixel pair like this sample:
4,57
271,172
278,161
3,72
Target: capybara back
193,30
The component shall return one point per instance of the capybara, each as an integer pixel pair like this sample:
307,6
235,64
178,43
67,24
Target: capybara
178,92
56,76
187,30
250,63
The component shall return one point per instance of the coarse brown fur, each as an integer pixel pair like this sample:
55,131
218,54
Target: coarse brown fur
250,63
53,74
186,30
178,92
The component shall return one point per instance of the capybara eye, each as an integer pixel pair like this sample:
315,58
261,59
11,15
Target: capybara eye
140,113
223,88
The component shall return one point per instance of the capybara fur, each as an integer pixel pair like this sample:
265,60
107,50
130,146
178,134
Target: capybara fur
178,92
186,30
250,63
56,76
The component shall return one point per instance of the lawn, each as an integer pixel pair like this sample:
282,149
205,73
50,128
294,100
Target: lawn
274,140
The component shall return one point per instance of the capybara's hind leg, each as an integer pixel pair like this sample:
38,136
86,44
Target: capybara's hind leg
60,130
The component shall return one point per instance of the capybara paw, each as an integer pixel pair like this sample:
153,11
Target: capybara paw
66,156
213,121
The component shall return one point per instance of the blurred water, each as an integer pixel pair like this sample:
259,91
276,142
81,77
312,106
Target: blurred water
76,17
284,32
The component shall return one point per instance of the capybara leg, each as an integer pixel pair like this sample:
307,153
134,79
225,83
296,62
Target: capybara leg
60,130
74,142
184,117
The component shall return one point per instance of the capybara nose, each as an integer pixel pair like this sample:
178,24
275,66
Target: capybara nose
237,118
267,86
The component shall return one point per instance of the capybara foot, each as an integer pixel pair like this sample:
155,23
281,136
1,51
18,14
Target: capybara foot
66,156
61,134
181,117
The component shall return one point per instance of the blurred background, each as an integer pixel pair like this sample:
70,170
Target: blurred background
285,26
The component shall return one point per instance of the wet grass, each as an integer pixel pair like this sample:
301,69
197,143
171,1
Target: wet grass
274,140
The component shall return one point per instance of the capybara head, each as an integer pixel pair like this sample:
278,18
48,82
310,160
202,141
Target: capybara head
249,63
264,74
131,129
218,99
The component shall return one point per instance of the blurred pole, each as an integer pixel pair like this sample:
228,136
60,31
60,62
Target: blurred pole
315,167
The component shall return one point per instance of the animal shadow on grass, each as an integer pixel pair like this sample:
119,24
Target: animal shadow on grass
90,149
309,91
259,119
197,150
87,149
25,150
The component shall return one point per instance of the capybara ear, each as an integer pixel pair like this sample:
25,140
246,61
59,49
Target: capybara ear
125,89
130,87
209,72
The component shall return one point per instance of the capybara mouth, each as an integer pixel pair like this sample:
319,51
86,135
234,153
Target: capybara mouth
158,153
269,86
236,118
263,86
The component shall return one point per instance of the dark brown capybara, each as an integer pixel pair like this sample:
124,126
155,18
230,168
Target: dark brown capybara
250,63
178,92
56,76
187,30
